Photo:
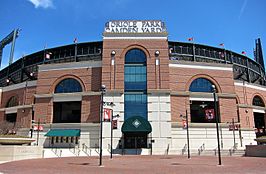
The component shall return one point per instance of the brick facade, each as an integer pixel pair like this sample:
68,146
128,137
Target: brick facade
159,77
113,75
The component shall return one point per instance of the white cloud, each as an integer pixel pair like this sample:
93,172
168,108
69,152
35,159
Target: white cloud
42,3
242,8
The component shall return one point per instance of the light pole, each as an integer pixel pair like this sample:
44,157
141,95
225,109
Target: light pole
38,132
188,150
217,126
111,136
117,115
103,90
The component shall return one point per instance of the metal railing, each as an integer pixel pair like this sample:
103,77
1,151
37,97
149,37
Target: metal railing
57,152
75,150
85,149
215,151
97,150
184,149
233,149
201,148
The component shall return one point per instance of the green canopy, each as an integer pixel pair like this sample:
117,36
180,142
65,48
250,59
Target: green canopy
136,124
63,133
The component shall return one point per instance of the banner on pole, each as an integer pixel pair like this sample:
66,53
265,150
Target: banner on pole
36,128
209,114
107,114
114,124
184,123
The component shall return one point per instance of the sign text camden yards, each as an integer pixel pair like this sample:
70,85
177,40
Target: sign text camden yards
135,27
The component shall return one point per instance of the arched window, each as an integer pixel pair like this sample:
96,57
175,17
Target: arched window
201,85
13,101
135,56
257,101
135,84
68,85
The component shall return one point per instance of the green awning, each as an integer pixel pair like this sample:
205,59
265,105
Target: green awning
136,124
63,133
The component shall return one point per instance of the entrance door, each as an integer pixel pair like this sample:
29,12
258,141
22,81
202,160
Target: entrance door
134,141
259,123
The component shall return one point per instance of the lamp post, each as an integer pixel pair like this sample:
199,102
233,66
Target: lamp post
111,156
38,132
112,117
217,126
188,150
103,89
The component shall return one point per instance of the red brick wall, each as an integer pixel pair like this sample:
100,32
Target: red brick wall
24,117
113,76
2,116
245,97
89,78
43,110
228,109
180,80
25,97
179,104
246,94
90,109
19,93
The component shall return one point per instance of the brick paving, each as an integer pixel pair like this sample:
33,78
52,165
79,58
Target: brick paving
138,164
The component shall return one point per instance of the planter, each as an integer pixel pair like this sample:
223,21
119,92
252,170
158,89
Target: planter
261,140
15,141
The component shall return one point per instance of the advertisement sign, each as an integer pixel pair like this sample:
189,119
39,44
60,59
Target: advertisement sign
36,128
184,123
114,124
233,127
107,114
209,114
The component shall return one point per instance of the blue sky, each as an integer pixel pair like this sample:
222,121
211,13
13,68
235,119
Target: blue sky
236,23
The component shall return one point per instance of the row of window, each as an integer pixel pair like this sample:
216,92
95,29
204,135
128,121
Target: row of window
133,82
64,140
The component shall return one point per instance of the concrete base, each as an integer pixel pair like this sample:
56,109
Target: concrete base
12,153
256,150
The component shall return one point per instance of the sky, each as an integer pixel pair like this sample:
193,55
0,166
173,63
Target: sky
53,23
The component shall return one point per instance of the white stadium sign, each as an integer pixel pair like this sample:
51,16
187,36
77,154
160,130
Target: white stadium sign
153,26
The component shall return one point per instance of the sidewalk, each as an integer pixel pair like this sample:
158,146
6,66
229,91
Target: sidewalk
138,164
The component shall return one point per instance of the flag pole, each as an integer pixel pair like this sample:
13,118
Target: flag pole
44,51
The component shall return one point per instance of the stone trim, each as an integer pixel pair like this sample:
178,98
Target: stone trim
70,66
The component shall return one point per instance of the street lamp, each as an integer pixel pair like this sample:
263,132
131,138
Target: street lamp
113,116
217,126
188,150
103,90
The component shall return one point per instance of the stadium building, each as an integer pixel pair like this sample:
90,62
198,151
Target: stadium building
152,84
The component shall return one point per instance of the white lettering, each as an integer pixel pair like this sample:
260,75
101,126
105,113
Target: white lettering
135,27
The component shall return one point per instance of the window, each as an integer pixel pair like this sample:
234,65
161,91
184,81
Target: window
11,117
68,85
135,84
202,112
13,101
135,56
135,105
257,101
135,77
201,85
